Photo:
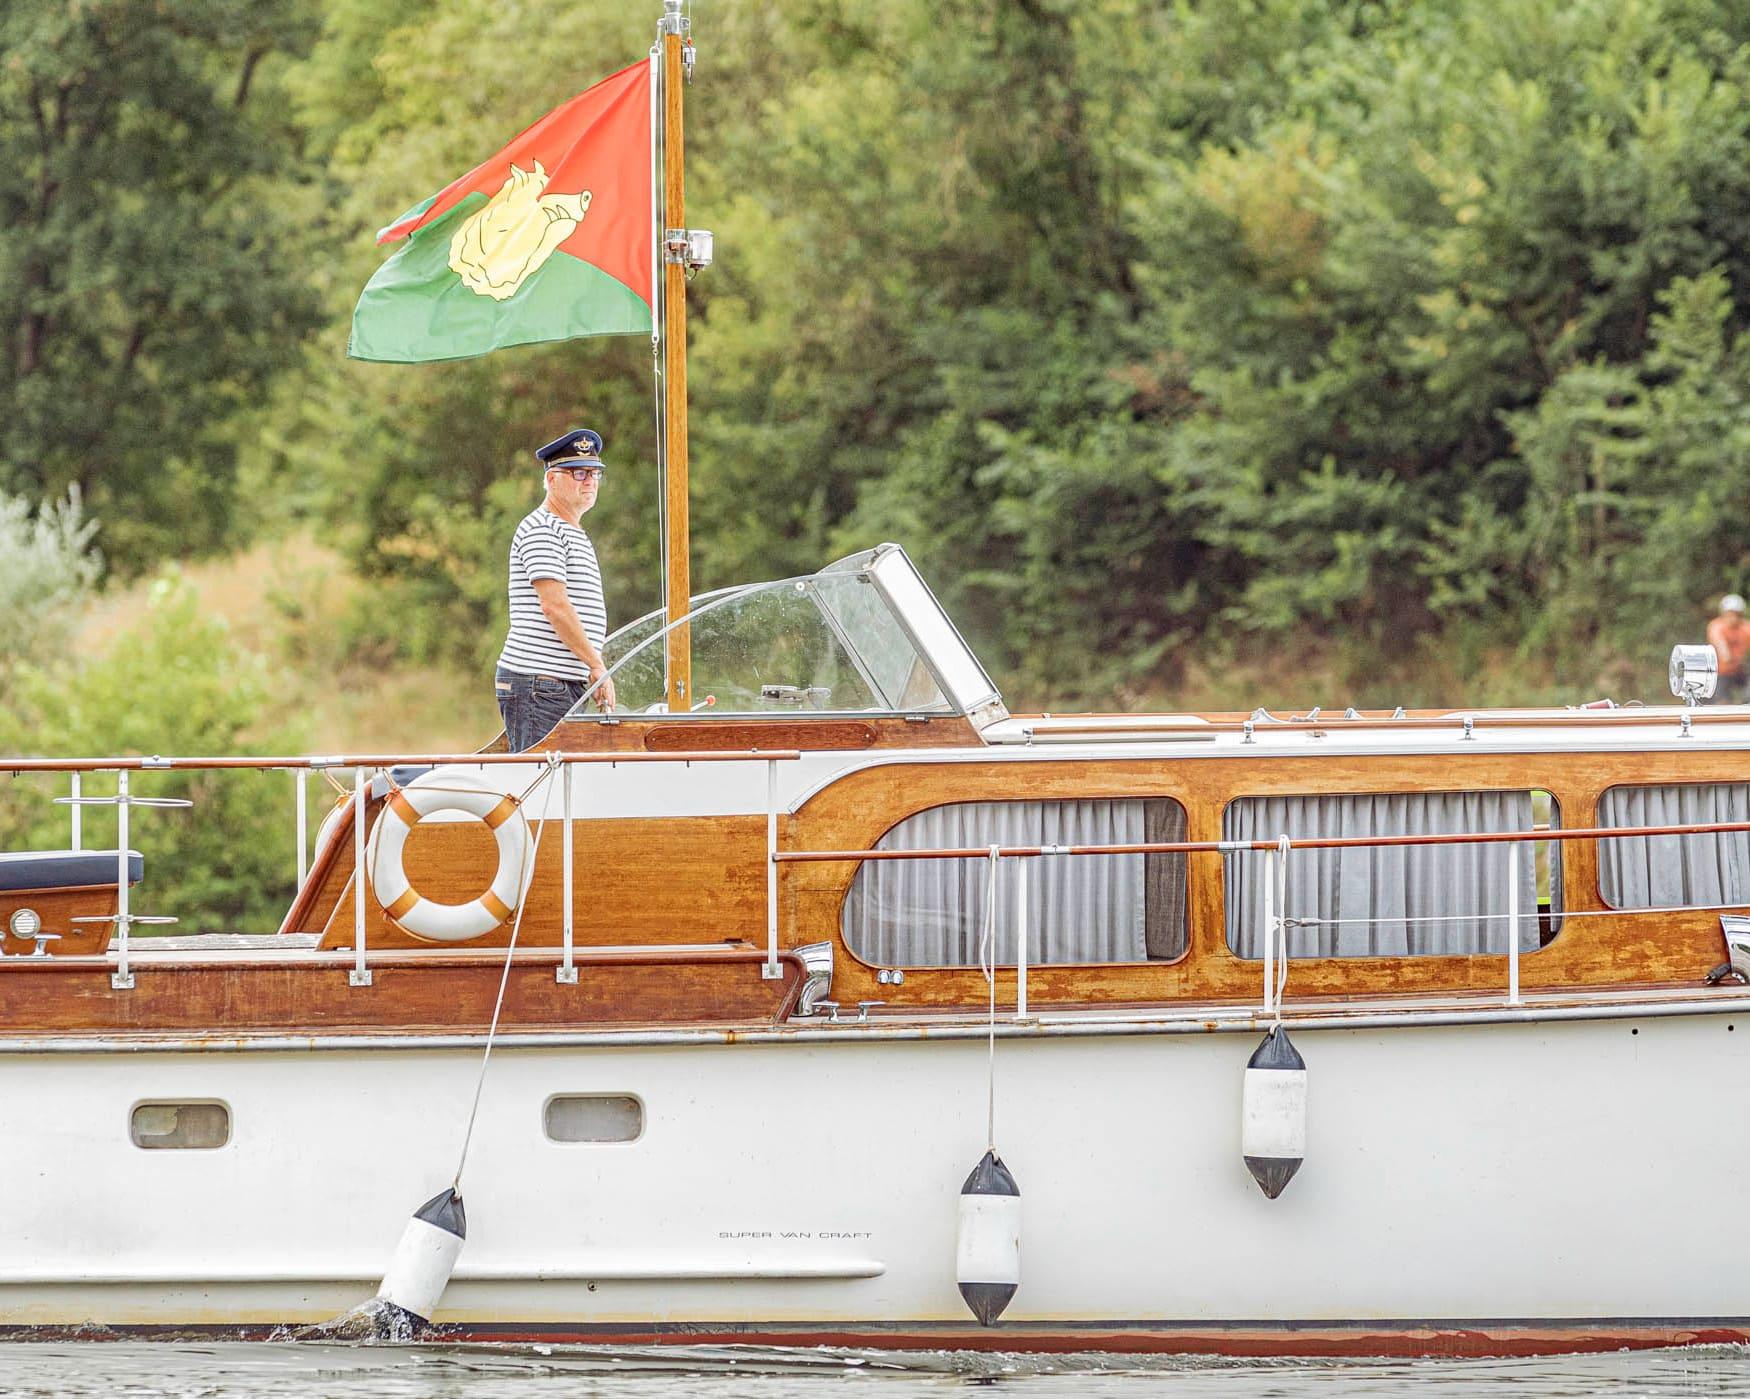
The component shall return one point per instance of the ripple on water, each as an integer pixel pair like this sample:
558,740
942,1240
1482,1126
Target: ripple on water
374,1359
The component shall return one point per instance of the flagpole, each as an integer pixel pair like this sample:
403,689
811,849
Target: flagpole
677,591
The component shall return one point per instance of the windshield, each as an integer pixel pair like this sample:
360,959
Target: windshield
830,641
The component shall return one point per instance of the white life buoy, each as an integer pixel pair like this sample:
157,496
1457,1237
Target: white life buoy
411,911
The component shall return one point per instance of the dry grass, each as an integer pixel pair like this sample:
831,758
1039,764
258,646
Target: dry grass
284,599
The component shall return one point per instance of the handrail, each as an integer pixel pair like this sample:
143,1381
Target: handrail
1473,719
157,764
1314,843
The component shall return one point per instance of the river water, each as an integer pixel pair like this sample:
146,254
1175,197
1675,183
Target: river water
475,1372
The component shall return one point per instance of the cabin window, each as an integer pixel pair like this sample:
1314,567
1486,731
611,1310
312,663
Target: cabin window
180,1125
594,1118
1080,909
1652,872
1395,901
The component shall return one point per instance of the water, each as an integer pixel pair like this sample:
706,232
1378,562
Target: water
484,1372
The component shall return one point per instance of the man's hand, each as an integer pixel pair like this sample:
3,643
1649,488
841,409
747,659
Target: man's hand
605,698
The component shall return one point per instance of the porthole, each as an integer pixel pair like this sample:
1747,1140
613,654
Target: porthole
180,1125
594,1118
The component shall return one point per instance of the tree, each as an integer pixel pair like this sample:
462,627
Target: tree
149,278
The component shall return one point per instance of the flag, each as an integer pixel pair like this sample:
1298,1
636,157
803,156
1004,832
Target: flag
549,239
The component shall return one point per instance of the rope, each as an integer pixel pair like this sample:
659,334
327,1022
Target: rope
554,764
987,964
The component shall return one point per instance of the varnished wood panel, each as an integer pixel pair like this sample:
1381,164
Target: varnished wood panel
1620,950
434,992
637,880
58,908
808,735
629,734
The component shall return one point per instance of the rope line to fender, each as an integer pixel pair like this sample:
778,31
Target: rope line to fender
554,766
987,964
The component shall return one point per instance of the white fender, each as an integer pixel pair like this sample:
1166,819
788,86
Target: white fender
1273,1113
987,1254
405,907
426,1256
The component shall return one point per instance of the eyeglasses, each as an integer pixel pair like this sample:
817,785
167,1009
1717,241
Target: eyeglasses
583,474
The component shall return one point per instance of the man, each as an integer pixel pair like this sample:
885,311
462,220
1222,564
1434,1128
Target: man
1729,635
558,619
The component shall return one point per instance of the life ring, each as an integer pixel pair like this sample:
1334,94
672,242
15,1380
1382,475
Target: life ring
411,911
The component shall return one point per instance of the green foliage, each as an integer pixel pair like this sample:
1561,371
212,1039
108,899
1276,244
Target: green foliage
47,569
149,278
1154,331
173,683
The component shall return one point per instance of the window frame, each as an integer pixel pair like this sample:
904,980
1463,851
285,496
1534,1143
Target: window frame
1556,918
1187,912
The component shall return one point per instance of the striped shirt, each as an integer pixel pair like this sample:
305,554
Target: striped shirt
545,546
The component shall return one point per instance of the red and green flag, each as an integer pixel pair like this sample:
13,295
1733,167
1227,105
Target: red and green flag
548,240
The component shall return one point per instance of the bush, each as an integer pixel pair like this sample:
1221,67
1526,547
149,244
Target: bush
174,684
47,568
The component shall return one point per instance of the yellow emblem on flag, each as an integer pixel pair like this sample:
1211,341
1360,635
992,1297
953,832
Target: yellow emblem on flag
502,245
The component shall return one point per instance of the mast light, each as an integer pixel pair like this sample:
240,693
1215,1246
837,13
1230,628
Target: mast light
690,246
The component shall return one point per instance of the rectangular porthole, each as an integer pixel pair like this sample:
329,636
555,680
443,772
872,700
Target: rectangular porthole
594,1118
184,1126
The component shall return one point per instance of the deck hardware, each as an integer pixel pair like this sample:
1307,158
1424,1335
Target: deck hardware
888,976
1246,732
74,789
1694,673
301,819
358,975
1470,727
830,1007
25,923
770,969
566,972
1736,930
1398,713
157,761
1513,849
1724,972
1683,729
817,967
863,1009
42,941
1351,713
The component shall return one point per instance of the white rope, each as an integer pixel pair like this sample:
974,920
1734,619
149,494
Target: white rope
987,964
554,764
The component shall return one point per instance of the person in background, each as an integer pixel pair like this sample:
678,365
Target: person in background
1729,635
558,618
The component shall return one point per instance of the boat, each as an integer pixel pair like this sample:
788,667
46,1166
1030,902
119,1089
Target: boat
812,997
763,1014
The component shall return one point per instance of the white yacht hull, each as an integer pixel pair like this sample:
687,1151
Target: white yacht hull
1584,1177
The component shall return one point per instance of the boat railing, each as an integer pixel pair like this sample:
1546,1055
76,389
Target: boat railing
1278,852
367,771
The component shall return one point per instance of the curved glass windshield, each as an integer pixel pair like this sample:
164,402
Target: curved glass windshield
830,641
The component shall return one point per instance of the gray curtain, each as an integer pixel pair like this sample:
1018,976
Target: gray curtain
1080,909
1378,896
1644,872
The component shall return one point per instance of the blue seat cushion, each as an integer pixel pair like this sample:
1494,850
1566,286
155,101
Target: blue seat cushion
60,870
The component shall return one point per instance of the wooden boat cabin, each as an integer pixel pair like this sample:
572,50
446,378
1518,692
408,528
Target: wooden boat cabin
736,867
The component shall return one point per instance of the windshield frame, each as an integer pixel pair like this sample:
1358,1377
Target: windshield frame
862,566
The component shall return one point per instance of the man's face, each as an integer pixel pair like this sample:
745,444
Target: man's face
572,494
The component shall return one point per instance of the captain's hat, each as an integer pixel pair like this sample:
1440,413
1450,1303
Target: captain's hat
579,447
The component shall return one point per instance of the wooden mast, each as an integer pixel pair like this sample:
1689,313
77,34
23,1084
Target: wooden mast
678,655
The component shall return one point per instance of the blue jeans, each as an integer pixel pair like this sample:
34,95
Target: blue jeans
532,705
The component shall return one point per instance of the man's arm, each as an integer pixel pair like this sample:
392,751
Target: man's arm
556,608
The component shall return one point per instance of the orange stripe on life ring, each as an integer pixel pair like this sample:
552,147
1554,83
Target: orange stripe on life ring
402,808
405,901
494,906
499,815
